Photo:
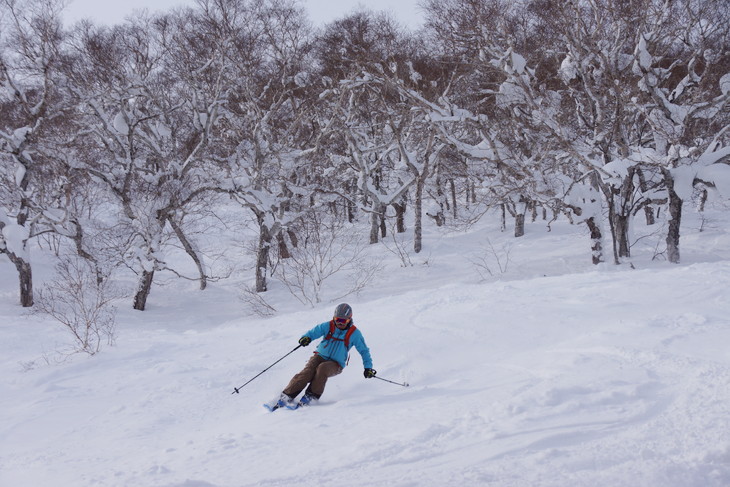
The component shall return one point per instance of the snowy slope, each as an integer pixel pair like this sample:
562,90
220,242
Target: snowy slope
557,373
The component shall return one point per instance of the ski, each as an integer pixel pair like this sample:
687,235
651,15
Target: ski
292,406
303,402
281,402
278,403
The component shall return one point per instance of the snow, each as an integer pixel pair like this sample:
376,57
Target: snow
120,123
719,175
725,84
568,70
683,179
555,373
510,94
619,167
19,136
20,174
163,130
644,58
15,236
518,63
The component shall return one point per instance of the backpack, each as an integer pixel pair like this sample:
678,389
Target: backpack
350,331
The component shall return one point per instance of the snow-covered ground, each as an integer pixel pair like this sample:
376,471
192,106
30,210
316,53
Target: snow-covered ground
553,373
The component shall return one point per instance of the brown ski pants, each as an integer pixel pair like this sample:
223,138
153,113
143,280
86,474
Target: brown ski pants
315,373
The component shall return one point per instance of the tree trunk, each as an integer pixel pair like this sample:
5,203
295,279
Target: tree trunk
25,271
675,218
350,210
622,235
596,241
612,223
78,239
418,217
519,224
400,211
375,216
648,212
293,238
143,291
190,250
283,247
25,279
25,275
262,256
521,211
622,220
702,201
453,197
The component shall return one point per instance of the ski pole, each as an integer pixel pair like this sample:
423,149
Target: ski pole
405,384
236,389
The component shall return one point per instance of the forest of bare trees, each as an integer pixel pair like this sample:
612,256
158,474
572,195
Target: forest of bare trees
117,142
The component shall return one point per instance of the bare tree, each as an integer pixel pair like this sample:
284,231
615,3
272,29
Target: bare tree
604,72
149,94
267,115
328,249
82,304
29,55
682,60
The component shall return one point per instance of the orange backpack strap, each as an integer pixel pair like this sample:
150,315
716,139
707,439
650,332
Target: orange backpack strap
350,331
331,333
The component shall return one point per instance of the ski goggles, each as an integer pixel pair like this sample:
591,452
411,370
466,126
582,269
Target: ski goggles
341,321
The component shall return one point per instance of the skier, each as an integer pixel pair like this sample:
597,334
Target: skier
331,356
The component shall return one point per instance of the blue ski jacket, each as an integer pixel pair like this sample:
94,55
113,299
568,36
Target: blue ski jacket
335,349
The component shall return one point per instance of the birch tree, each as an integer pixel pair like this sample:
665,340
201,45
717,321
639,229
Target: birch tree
148,94
683,65
373,59
29,102
267,117
489,113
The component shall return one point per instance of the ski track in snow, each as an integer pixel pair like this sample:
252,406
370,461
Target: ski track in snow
599,377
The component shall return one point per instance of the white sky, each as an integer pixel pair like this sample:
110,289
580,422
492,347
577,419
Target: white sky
320,11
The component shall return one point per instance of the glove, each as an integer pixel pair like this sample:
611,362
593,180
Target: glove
369,373
304,341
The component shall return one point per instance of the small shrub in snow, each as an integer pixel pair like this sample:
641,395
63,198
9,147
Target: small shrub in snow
491,260
325,249
399,246
255,302
82,304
